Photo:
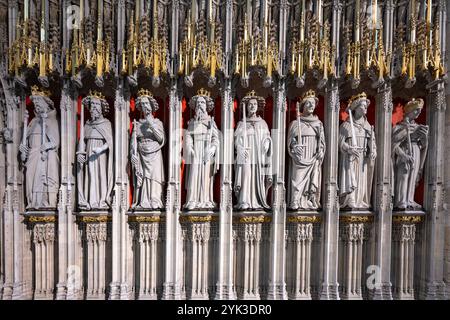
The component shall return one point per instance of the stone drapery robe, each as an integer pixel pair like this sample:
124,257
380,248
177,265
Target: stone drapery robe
201,135
149,172
254,176
304,182
356,174
42,169
406,175
98,169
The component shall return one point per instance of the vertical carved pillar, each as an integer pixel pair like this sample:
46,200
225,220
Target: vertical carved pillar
404,236
121,243
277,285
353,231
383,195
43,256
330,225
67,266
225,286
96,238
299,257
172,288
432,285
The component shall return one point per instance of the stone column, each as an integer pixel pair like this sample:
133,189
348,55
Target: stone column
225,286
67,266
432,274
330,225
277,284
172,287
383,195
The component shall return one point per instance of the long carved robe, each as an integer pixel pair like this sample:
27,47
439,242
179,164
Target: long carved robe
355,175
149,172
254,176
98,172
406,175
42,175
305,173
200,136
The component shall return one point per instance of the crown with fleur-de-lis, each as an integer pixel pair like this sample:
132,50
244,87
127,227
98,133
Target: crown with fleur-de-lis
36,91
96,94
144,93
203,92
358,96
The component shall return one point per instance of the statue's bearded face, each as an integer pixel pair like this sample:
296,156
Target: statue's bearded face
200,107
361,108
96,108
40,105
252,106
146,106
309,106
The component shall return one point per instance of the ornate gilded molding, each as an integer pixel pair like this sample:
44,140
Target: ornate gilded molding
407,219
193,219
304,219
41,219
356,219
95,219
253,219
144,219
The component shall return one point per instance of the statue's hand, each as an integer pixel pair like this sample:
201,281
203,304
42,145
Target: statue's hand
47,146
81,158
355,152
244,153
97,150
24,150
134,160
298,150
209,154
266,145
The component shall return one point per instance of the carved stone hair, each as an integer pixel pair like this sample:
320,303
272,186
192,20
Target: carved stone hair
209,102
49,101
87,102
252,95
153,102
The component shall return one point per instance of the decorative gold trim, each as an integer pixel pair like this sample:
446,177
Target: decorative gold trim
356,219
95,219
253,219
300,219
193,219
37,219
407,219
144,219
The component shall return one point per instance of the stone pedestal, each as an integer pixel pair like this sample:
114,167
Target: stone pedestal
43,228
299,253
353,231
96,253
403,249
147,262
250,254
200,241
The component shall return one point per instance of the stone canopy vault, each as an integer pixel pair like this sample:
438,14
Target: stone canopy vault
221,149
